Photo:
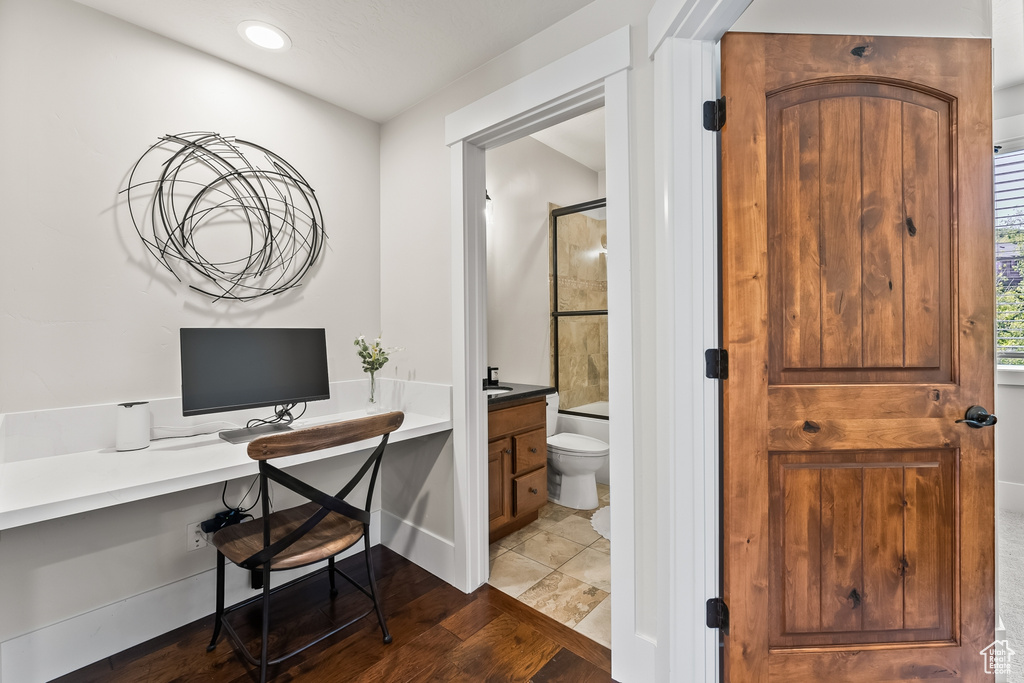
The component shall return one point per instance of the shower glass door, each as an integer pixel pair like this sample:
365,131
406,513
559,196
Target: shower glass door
579,308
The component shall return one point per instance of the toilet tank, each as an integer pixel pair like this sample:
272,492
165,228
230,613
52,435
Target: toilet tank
552,413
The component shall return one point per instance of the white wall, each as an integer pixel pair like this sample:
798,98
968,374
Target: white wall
90,317
416,235
1010,438
1008,110
522,178
1007,102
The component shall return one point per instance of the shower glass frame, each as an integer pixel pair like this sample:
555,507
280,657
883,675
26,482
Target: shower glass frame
556,314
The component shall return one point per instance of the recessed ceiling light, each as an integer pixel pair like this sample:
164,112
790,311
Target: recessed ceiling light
264,35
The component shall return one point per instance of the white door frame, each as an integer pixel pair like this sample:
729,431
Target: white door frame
682,38
588,78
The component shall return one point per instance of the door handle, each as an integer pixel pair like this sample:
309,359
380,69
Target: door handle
977,417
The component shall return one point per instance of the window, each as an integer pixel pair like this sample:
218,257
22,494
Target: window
1009,214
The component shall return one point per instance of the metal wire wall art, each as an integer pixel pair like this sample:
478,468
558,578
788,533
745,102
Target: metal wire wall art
227,217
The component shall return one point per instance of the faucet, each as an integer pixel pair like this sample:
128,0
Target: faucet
492,377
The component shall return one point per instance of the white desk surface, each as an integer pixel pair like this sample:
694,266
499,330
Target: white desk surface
57,486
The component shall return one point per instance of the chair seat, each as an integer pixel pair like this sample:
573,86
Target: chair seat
332,535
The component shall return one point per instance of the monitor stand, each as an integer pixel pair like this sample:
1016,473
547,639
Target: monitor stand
249,433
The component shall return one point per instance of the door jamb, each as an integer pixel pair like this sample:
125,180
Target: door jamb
682,41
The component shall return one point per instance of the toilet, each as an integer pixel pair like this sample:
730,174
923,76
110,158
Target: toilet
573,461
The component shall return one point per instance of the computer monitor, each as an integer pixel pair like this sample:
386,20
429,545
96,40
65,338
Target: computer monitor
224,369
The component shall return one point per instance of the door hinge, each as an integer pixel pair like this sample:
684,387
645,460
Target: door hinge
718,615
714,114
716,364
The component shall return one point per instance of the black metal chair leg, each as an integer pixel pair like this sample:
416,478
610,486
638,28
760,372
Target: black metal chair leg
264,652
373,587
330,574
218,619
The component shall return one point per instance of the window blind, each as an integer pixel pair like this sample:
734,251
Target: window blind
1009,226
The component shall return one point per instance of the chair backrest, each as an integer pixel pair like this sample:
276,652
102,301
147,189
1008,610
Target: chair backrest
307,441
325,436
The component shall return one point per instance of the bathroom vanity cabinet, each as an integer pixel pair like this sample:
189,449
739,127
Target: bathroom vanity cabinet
516,464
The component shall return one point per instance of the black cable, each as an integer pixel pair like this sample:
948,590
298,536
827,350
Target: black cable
282,415
239,507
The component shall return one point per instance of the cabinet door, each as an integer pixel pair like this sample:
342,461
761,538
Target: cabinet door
530,450
498,453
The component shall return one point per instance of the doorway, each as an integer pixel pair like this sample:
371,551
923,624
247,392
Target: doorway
594,75
1009,234
541,252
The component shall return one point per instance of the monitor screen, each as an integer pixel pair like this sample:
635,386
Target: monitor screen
236,368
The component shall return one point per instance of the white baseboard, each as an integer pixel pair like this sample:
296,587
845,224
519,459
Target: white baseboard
68,645
420,546
1010,496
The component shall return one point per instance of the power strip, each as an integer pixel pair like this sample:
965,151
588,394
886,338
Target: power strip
223,519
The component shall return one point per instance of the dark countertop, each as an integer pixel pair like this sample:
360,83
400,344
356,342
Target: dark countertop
521,393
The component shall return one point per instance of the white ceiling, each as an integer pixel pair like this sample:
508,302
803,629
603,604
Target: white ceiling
581,139
375,58
1008,43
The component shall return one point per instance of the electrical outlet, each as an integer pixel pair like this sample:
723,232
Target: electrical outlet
194,537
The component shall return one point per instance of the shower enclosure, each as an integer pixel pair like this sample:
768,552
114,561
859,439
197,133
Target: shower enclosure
579,308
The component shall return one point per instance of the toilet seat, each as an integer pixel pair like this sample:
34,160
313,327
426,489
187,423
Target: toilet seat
577,444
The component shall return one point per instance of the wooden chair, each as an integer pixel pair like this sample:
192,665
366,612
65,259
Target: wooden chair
302,535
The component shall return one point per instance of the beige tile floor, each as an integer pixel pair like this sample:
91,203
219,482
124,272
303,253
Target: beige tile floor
561,567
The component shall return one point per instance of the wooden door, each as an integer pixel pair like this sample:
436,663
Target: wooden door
857,264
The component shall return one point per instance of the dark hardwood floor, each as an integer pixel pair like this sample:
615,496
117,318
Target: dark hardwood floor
440,634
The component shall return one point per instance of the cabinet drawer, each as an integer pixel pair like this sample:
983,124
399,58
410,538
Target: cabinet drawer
531,450
504,421
530,491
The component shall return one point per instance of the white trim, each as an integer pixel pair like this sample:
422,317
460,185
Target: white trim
687,313
63,647
418,545
501,116
469,360
632,653
590,76
1010,496
691,19
1010,375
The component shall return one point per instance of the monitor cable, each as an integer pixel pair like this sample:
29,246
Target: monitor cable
282,415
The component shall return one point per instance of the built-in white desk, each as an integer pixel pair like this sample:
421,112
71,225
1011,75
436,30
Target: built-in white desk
84,581
52,485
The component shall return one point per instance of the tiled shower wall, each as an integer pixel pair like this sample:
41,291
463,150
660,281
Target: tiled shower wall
582,286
